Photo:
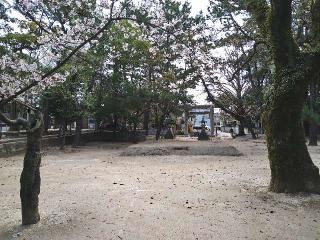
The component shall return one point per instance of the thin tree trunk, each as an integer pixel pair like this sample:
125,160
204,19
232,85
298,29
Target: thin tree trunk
77,135
62,135
13,115
115,127
146,119
30,177
134,133
252,132
159,126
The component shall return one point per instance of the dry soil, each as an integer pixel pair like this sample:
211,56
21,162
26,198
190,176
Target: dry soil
96,193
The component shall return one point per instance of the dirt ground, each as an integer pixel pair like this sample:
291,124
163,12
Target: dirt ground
96,193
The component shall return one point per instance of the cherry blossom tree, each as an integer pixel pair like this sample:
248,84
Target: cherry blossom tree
58,30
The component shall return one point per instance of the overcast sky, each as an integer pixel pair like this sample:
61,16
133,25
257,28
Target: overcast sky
198,5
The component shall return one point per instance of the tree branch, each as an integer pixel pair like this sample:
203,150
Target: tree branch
219,104
18,122
29,15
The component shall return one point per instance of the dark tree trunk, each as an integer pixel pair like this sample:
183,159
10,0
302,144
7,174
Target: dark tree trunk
252,132
30,176
313,131
146,119
313,127
62,135
158,133
251,129
292,169
115,127
77,135
159,124
13,115
241,129
134,133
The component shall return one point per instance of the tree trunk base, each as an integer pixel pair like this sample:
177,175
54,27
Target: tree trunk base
30,216
30,188
295,181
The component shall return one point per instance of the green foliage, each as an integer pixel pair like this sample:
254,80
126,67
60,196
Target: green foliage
63,102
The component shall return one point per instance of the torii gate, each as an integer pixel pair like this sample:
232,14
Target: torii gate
210,109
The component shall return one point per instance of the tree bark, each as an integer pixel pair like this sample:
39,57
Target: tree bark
13,115
146,119
241,129
313,126
292,169
252,132
62,134
30,177
159,126
77,135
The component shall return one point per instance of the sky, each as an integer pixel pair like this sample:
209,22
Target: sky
198,5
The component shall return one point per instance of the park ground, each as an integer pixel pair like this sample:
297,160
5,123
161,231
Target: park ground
97,192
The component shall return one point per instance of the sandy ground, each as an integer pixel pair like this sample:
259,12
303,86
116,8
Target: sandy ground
94,193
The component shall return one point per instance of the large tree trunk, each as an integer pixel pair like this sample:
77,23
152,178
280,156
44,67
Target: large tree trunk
30,176
292,169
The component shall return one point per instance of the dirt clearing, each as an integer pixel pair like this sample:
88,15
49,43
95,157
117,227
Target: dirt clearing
95,193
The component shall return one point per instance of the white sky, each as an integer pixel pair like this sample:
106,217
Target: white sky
198,5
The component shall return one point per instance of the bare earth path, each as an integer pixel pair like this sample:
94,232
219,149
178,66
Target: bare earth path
94,193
